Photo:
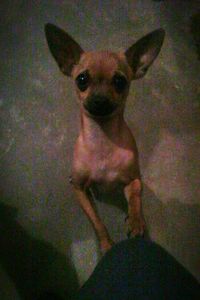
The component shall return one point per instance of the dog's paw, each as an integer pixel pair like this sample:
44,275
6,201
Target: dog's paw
135,226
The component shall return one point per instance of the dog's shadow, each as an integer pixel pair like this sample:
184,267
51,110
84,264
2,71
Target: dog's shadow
35,267
116,199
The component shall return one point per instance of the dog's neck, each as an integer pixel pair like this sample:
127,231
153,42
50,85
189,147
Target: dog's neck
101,130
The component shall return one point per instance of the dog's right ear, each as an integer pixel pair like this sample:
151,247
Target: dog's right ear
64,49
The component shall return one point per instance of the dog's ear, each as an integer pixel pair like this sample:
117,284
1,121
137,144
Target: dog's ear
142,54
64,49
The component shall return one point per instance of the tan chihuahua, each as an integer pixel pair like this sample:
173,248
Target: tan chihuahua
105,154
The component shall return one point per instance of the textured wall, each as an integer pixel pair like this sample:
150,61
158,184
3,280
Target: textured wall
46,242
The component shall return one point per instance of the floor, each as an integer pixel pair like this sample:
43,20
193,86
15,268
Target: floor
46,241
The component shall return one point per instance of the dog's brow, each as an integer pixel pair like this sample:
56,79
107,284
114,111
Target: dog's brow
78,69
83,71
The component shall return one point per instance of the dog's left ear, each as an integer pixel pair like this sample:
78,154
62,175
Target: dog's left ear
63,47
142,54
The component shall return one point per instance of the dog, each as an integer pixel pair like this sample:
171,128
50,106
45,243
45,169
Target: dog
105,154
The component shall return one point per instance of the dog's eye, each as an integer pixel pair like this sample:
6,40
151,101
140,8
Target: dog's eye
82,81
119,82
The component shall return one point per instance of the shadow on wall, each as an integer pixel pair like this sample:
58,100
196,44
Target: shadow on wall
33,265
173,224
195,30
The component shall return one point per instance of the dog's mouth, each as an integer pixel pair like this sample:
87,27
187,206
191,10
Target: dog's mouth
99,106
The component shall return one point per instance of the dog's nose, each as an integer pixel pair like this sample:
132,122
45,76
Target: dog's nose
99,105
100,101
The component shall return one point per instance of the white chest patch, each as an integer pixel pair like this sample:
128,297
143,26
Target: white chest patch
118,167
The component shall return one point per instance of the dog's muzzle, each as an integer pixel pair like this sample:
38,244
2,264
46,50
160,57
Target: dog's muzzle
99,106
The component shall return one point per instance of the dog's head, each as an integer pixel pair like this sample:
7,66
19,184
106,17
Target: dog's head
102,78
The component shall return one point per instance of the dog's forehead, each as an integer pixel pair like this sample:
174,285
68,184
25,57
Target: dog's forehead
102,63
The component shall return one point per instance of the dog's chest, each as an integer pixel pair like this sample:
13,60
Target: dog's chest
103,162
111,167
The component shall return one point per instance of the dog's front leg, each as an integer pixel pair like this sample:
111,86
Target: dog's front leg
100,229
135,220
